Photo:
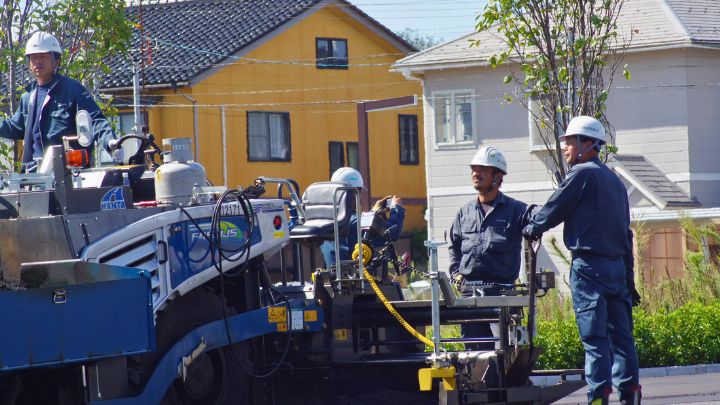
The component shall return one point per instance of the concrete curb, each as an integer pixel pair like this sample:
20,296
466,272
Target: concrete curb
644,373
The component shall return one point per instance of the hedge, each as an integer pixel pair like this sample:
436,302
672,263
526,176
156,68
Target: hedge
688,335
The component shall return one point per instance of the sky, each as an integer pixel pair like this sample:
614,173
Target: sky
441,19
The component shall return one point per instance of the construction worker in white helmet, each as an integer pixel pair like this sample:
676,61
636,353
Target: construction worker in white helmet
593,204
48,107
391,205
486,240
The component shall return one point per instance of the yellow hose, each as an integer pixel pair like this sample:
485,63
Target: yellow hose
395,313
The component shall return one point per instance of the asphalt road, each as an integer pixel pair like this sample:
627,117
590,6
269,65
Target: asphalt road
683,389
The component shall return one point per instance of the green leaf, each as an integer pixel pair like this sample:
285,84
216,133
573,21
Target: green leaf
626,73
507,79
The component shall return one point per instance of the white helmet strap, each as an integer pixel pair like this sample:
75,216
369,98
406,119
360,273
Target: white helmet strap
581,150
494,183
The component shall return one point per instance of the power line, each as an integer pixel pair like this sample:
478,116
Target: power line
480,98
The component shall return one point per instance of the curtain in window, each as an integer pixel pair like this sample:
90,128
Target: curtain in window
463,117
339,51
353,155
442,119
257,136
278,145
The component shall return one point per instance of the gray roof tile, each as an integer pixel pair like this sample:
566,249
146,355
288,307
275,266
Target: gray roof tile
189,37
653,181
652,23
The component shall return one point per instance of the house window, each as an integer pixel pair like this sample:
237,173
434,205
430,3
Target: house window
539,126
408,129
454,118
340,152
268,136
331,53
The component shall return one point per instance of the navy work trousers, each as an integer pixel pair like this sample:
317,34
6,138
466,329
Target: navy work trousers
603,313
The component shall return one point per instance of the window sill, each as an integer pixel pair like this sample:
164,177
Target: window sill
455,146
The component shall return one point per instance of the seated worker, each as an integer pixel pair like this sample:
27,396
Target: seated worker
392,205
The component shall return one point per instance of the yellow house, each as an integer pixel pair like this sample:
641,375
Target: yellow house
279,89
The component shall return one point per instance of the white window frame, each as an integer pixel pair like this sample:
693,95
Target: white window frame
535,141
455,144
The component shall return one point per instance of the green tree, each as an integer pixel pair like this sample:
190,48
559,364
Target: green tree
563,55
89,31
419,41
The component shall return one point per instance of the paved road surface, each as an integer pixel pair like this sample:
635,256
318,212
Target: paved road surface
683,389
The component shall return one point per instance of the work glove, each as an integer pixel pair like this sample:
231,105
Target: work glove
118,155
528,233
634,294
457,279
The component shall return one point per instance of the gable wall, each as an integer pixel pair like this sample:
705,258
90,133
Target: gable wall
649,113
703,75
321,104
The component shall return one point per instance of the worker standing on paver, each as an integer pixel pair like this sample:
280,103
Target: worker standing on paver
486,239
593,204
49,106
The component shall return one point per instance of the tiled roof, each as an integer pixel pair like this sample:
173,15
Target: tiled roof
651,181
653,23
189,37
701,18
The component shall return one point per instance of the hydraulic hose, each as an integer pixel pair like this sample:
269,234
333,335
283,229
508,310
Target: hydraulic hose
395,313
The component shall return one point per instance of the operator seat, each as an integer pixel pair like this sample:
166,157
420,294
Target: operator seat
317,202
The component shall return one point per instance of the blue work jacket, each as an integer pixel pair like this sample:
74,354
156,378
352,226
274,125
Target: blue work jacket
64,99
487,247
593,204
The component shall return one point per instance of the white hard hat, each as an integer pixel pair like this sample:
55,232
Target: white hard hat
348,175
490,156
588,127
42,42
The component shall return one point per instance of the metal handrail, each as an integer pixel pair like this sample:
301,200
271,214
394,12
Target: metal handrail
336,228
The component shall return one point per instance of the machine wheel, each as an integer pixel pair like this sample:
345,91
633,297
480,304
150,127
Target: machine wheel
213,378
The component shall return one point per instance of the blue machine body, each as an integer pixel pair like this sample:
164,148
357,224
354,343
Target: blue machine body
191,253
295,316
81,312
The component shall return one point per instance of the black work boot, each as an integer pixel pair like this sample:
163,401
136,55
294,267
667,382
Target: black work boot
631,397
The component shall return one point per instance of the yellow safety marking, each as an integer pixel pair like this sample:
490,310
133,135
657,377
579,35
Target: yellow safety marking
278,234
310,316
341,334
277,314
282,327
426,375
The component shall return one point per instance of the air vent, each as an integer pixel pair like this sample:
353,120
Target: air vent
140,253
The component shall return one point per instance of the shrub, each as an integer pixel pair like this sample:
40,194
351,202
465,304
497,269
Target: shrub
688,335
560,342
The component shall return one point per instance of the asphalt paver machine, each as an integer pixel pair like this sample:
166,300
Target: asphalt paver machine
144,284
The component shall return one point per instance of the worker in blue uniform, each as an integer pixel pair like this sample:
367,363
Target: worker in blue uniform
48,107
390,205
592,202
486,237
